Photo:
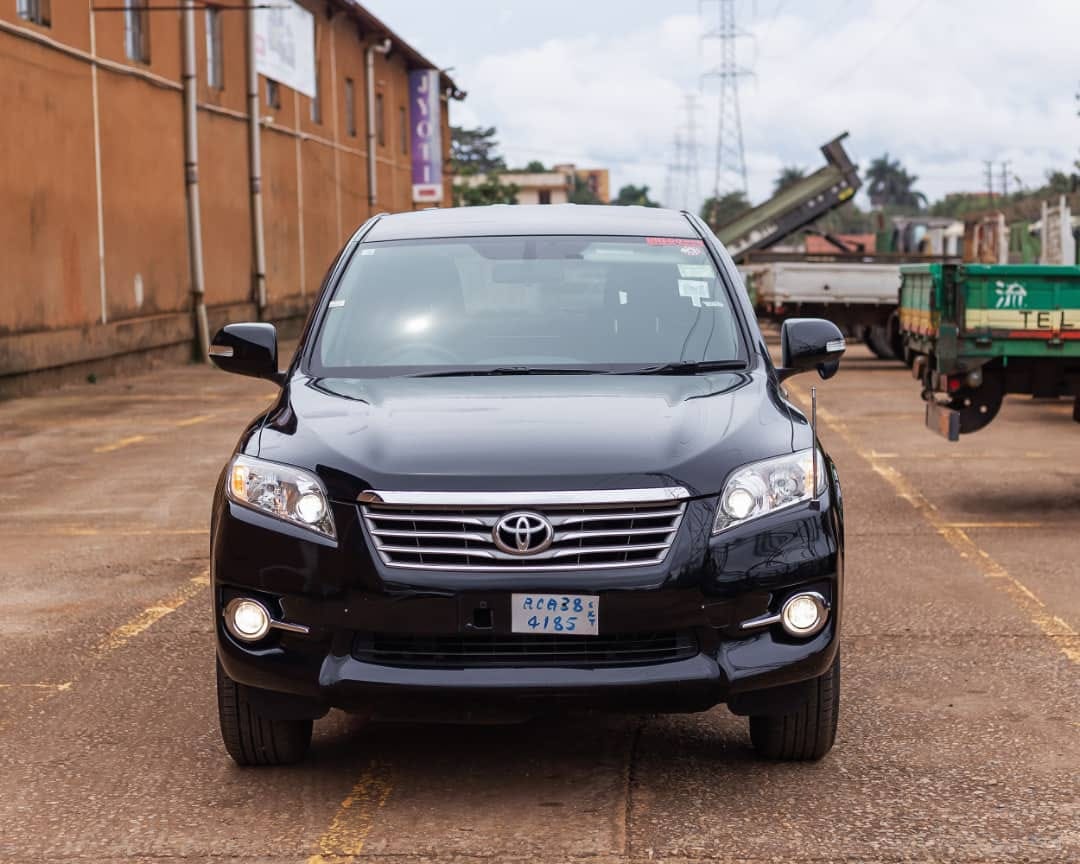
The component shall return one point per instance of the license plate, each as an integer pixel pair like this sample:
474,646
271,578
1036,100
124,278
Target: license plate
563,614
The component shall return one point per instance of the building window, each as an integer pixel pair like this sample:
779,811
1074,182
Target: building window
273,94
35,11
350,107
137,30
544,196
380,121
403,125
215,73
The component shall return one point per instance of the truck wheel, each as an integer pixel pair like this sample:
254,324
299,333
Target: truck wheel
806,734
896,338
1076,409
979,406
252,737
877,340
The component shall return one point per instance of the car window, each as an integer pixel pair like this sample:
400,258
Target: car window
603,302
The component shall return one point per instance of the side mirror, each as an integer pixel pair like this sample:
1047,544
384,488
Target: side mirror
810,343
247,349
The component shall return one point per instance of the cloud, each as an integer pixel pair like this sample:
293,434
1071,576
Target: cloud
941,86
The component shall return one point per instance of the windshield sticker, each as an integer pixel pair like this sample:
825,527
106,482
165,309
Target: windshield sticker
673,241
367,251
694,289
695,271
690,250
622,298
336,304
719,303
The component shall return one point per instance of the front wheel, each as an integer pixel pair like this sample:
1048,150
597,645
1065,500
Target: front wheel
253,737
807,733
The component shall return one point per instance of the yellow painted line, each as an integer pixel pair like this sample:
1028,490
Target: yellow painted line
122,442
125,532
995,524
970,455
192,421
64,685
151,615
1054,628
344,839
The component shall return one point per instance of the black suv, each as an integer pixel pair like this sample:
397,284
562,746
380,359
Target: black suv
528,458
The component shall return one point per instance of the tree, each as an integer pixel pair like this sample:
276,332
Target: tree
630,194
477,168
484,189
892,186
535,167
1062,183
719,211
581,192
789,175
473,151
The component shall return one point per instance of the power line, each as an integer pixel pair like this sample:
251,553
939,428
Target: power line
899,22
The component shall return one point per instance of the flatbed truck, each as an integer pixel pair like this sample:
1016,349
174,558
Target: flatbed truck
973,333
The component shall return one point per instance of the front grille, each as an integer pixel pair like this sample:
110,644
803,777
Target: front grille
585,536
524,650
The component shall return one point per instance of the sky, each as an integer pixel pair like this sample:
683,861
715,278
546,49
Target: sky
942,85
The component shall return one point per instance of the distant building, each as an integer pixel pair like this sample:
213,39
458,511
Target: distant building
549,187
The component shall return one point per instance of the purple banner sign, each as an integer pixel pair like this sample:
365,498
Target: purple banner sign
426,136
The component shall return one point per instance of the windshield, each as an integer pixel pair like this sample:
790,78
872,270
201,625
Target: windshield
514,304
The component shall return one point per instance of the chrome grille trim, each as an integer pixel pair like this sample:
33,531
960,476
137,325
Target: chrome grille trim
456,532
510,500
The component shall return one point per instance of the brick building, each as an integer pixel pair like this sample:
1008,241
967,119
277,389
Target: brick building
96,272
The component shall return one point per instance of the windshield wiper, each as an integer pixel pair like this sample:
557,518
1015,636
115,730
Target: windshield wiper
508,370
688,367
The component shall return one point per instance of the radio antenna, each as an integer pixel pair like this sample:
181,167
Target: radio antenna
813,443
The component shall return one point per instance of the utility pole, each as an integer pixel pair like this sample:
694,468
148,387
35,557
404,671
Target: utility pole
989,163
672,190
718,24
1005,178
691,153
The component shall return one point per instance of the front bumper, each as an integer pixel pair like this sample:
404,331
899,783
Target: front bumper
704,590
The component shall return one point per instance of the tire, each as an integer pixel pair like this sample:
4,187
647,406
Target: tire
896,338
806,734
252,737
878,341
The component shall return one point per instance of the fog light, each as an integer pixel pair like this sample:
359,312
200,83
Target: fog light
974,379
804,614
248,620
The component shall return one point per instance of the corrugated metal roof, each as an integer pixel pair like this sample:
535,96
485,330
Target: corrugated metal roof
369,23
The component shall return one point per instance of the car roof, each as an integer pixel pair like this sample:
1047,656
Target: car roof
525,219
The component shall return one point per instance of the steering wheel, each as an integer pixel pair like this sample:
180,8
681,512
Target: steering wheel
407,355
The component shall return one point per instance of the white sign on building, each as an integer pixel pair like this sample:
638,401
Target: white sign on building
285,45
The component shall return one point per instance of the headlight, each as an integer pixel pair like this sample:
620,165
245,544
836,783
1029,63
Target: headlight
763,487
288,493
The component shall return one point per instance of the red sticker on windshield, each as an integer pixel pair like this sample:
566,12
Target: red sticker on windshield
673,241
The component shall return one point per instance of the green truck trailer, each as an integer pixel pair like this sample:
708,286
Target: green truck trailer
973,333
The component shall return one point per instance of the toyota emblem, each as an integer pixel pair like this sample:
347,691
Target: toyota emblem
523,533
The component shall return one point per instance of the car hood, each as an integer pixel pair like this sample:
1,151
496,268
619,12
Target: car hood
527,433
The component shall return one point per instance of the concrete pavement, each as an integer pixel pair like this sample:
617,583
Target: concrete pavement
959,735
